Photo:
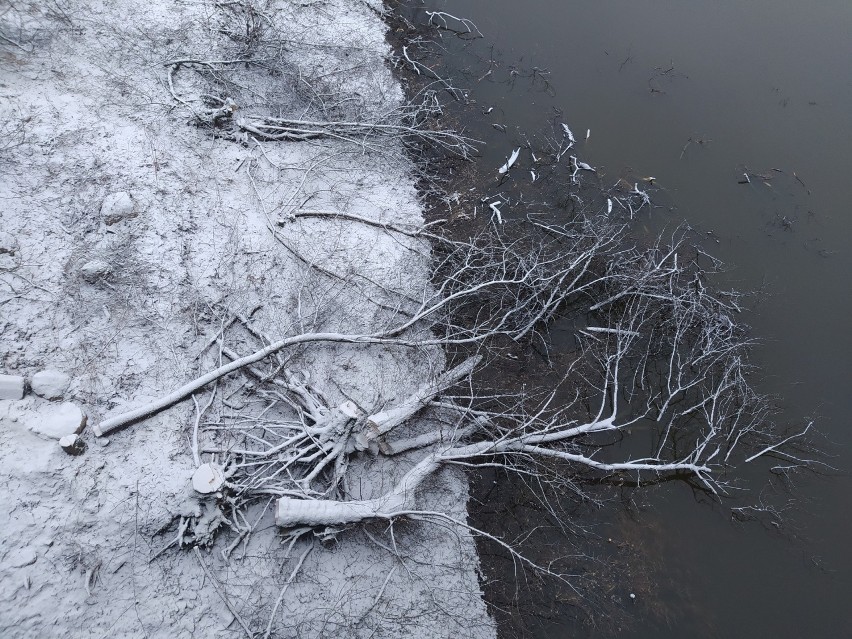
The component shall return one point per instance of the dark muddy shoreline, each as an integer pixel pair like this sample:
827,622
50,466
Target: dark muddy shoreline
662,99
613,569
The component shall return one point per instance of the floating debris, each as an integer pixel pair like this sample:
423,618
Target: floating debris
577,166
512,158
568,134
496,215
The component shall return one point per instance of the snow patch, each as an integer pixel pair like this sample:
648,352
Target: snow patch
12,386
50,384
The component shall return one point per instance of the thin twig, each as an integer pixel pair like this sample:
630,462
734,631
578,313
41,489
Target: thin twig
284,590
214,582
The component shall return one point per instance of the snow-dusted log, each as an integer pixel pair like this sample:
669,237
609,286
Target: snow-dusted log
327,512
658,349
298,512
383,422
425,440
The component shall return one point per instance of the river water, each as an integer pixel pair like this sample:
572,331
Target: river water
697,94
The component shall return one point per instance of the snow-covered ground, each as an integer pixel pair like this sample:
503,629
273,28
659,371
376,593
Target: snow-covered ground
130,239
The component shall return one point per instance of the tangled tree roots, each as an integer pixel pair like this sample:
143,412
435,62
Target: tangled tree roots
658,349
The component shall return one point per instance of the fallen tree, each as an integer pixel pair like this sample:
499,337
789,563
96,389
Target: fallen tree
660,351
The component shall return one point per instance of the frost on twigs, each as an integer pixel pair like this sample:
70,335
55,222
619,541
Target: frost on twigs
659,348
449,22
221,92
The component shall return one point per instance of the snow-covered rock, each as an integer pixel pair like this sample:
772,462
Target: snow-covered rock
11,387
8,249
8,244
50,384
56,420
23,557
72,444
94,271
117,207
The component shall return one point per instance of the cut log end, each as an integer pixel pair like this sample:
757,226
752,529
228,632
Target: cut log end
208,478
290,513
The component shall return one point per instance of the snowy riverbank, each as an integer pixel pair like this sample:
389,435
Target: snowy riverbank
141,249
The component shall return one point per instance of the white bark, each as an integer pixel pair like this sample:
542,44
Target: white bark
385,421
189,388
297,512
426,439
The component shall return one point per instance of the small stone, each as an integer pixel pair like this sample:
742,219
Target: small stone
57,420
95,270
24,557
117,207
55,164
73,445
8,243
102,441
11,387
50,384
9,250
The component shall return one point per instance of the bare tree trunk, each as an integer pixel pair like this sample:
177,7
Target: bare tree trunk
385,421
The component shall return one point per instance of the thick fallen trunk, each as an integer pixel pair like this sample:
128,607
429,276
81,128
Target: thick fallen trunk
299,512
385,421
401,499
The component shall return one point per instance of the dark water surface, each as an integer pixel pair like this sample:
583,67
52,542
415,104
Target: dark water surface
696,94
